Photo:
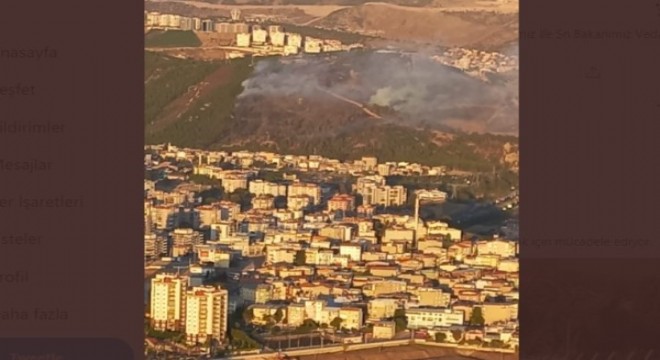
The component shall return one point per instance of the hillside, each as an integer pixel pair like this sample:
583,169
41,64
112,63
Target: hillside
171,38
465,26
318,106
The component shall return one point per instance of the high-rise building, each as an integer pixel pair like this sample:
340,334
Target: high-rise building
168,301
206,314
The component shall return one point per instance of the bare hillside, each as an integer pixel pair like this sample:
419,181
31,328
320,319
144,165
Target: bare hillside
475,27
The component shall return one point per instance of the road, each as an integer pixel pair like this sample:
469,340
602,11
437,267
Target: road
506,354
294,342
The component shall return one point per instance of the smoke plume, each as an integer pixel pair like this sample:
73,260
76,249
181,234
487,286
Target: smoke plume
410,89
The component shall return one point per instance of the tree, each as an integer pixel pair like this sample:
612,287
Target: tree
300,258
248,316
278,316
203,180
400,320
241,341
306,327
497,344
477,317
336,322
269,320
440,337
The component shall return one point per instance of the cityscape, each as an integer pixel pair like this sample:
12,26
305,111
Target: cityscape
330,216
285,257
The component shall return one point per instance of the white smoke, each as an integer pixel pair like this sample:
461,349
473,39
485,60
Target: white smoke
418,88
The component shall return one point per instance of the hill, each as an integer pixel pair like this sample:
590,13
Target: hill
171,38
465,26
320,105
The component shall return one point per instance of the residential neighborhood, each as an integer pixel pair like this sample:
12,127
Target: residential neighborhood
255,252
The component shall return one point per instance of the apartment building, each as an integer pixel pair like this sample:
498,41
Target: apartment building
384,330
206,215
352,251
341,202
233,182
167,305
184,240
206,314
164,217
429,318
390,196
381,308
155,245
439,228
298,202
503,248
213,253
262,187
296,314
352,317
263,202
382,287
432,297
313,191
229,210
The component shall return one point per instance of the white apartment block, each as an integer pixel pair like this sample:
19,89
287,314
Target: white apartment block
168,301
429,318
206,314
261,187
